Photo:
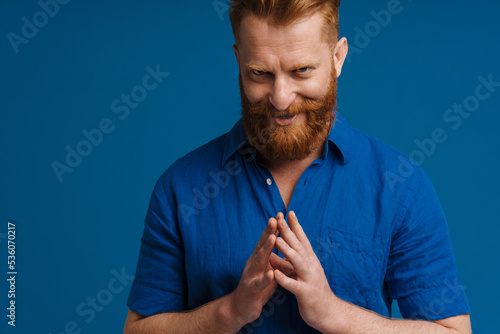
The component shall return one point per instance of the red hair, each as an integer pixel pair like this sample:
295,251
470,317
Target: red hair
284,12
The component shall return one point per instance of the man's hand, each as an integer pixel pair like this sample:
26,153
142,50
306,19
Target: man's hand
257,282
301,273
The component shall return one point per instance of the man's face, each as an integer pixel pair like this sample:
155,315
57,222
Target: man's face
288,85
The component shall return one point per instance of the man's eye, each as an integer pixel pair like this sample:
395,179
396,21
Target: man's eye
303,69
257,72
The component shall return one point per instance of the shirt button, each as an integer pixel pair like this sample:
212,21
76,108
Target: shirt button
269,182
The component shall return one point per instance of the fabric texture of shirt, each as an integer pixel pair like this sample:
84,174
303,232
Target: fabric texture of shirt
372,217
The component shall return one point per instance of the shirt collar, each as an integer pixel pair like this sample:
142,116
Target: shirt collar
339,138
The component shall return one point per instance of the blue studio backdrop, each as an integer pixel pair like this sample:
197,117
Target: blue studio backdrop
98,98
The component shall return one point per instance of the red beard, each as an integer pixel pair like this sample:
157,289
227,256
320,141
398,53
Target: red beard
292,142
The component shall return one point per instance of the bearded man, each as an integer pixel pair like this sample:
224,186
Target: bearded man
288,223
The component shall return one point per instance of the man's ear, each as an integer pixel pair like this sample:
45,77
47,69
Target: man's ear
235,49
339,54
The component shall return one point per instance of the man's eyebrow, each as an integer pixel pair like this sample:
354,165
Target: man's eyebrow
257,67
312,64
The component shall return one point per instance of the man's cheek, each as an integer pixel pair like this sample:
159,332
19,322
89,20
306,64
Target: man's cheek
255,93
319,91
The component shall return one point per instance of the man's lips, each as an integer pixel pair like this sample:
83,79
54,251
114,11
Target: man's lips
284,120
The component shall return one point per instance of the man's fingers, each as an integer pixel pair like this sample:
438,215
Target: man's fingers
286,282
296,259
271,228
289,236
278,217
260,259
298,231
282,265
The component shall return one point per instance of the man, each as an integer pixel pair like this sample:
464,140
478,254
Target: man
354,241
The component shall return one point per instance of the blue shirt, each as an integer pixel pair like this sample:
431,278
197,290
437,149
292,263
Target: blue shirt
372,217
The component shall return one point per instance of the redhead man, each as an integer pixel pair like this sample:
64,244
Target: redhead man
288,223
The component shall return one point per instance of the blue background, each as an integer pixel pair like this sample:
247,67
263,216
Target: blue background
72,235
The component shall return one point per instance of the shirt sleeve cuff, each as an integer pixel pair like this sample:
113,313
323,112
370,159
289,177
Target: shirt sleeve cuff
148,301
435,304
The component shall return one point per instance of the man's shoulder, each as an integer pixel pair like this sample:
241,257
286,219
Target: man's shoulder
209,157
206,157
376,147
386,163
360,148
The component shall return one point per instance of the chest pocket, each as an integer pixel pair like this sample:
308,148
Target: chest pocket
354,265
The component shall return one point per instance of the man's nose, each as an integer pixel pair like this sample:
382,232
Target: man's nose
282,94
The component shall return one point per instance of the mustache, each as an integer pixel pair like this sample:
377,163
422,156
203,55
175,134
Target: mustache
267,109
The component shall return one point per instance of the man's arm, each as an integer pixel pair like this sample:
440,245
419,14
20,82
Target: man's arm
302,274
229,313
349,318
214,317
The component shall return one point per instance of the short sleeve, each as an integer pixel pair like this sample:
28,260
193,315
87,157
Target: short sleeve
421,272
159,284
